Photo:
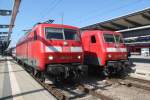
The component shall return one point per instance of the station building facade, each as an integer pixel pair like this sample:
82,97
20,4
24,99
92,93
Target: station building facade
138,40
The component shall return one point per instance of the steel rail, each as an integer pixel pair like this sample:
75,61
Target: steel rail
132,82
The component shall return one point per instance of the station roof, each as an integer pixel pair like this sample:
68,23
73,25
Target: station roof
136,19
5,36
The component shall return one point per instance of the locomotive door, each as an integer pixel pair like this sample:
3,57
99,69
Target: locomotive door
93,48
27,51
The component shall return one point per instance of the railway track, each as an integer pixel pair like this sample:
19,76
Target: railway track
52,89
93,93
139,83
61,96
129,82
139,80
58,93
132,82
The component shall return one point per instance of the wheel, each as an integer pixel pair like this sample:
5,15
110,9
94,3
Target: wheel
40,75
74,76
122,73
57,79
33,71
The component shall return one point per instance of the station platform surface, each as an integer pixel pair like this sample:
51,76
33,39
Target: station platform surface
17,84
142,66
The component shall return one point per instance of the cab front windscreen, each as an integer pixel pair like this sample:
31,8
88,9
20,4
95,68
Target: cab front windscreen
111,38
61,34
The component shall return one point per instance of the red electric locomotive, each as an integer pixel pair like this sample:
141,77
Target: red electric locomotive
104,49
52,49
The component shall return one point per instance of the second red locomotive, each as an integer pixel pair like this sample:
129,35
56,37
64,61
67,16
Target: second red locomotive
105,50
53,49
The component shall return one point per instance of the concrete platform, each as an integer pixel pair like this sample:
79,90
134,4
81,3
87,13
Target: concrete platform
17,84
142,65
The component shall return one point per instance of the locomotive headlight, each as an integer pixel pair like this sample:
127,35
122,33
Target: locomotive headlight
109,55
50,57
79,57
65,43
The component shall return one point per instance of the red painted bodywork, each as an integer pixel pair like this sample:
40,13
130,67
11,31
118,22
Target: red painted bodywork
31,51
98,50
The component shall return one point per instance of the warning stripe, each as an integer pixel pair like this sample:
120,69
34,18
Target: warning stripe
116,50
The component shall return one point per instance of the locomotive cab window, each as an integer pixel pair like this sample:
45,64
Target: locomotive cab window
109,38
93,39
53,33
62,34
35,35
71,34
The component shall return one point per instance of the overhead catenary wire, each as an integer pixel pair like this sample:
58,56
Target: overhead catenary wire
55,6
91,11
91,16
45,10
49,10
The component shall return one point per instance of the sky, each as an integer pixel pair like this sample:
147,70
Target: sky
77,13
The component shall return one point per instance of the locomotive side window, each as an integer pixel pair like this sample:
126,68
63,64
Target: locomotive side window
35,35
109,38
71,34
93,39
54,33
